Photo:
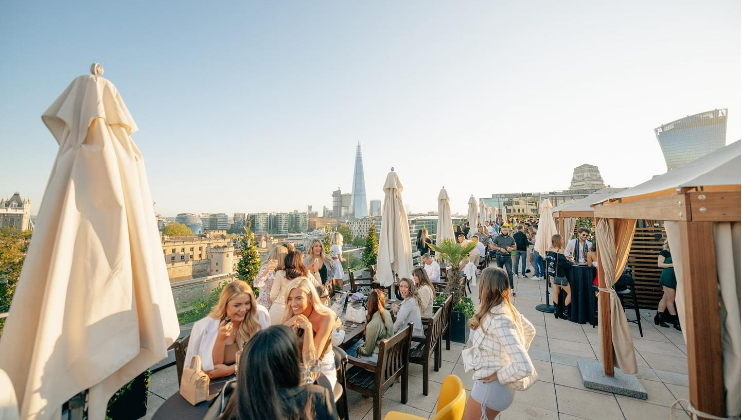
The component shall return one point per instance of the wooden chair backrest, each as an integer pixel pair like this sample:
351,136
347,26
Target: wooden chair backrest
434,330
180,347
394,356
447,309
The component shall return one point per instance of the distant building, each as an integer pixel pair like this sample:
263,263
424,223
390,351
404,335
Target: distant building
190,220
326,212
375,208
337,204
298,222
346,205
359,205
189,257
320,223
239,221
260,222
689,138
279,223
215,221
359,227
528,204
586,177
15,212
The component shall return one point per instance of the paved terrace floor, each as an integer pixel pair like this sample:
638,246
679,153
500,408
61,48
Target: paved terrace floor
558,394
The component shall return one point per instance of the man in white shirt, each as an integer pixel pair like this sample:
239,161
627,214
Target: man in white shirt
432,268
577,248
480,246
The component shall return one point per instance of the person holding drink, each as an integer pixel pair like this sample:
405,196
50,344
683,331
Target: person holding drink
317,261
267,274
218,337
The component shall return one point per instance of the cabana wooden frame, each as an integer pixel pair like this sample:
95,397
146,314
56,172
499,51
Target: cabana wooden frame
696,209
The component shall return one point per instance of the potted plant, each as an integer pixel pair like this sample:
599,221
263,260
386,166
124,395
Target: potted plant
463,308
130,402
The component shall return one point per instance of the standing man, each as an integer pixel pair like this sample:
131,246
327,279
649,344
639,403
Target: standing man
578,248
538,260
505,244
521,251
432,268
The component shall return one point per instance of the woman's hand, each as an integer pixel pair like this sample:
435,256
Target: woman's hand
301,321
220,371
225,330
272,264
490,378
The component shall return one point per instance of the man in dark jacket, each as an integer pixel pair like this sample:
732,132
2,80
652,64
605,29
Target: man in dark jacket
521,251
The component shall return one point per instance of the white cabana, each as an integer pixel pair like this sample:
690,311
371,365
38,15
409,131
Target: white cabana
445,227
567,213
395,248
472,216
700,204
93,308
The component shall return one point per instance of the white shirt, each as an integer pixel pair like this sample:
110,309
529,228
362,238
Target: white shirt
427,297
503,346
433,270
571,249
203,337
481,249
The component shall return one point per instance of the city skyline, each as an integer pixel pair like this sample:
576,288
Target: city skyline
258,106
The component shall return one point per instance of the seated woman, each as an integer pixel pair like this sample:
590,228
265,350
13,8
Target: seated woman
293,268
409,311
215,339
426,290
268,384
378,327
313,323
267,274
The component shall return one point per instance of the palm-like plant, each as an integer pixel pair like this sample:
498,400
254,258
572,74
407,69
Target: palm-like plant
453,253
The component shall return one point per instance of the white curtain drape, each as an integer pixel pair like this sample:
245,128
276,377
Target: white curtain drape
727,250
569,228
613,257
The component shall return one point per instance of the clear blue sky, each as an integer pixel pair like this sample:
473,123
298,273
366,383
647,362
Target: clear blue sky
247,106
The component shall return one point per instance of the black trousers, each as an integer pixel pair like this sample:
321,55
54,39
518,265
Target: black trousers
506,262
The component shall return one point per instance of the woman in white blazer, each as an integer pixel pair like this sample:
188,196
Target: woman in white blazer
499,342
216,341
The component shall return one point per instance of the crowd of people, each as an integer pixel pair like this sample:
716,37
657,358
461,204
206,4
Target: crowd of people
290,322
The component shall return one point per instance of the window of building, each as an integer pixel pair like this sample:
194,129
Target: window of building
217,264
182,257
173,250
172,258
199,248
182,249
191,249
199,256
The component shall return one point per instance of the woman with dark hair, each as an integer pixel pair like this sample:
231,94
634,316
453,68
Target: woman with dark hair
669,284
379,326
425,290
268,382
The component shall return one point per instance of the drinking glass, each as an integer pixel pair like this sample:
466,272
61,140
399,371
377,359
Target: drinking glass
237,356
311,367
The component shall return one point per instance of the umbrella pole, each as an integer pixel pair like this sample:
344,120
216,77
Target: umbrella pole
546,307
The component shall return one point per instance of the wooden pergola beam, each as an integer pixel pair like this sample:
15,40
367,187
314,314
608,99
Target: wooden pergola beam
721,206
670,207
604,305
575,214
702,319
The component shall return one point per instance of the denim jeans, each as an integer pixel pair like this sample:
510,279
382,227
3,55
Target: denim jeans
538,264
520,258
508,266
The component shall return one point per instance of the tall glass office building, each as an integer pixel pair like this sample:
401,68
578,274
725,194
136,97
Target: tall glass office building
359,204
689,138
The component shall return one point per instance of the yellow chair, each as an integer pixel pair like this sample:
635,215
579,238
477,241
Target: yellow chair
451,402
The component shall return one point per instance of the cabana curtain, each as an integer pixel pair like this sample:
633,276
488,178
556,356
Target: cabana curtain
614,245
569,228
727,250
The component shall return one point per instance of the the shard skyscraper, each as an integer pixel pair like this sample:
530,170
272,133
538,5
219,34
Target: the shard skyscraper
358,198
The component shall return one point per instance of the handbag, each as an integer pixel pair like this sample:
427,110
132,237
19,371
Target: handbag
355,314
194,383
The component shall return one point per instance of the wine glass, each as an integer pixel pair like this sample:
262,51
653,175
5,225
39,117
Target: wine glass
237,356
311,367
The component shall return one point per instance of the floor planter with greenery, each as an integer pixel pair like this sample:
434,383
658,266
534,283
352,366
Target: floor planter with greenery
130,402
463,309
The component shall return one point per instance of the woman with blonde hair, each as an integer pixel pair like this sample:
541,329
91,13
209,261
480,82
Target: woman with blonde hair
267,274
226,329
293,268
409,310
317,261
336,251
425,290
500,338
313,323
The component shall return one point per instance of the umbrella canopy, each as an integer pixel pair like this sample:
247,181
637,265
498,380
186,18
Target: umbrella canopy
472,215
93,307
482,212
395,248
546,229
504,215
445,227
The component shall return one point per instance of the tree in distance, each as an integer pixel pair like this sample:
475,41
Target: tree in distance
177,229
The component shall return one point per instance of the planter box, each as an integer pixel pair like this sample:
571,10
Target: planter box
459,327
133,403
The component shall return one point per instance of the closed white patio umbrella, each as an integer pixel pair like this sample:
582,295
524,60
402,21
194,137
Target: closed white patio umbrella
445,227
395,248
542,243
504,215
482,212
472,215
93,308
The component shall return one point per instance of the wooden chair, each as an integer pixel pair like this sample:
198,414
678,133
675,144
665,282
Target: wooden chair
423,346
447,310
371,380
356,283
180,346
341,392
451,402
